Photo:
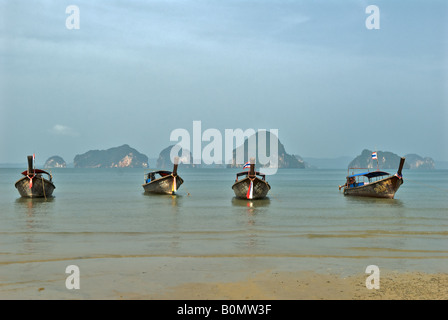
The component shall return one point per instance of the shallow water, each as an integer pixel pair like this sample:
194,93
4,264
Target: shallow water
104,214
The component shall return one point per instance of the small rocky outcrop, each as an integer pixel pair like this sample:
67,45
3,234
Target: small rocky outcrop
55,162
164,160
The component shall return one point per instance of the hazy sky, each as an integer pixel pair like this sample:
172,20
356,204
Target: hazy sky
136,70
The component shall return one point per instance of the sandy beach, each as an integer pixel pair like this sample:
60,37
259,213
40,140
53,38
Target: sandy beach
311,286
187,278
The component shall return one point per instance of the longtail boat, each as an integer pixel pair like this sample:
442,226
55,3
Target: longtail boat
253,185
377,184
33,184
163,182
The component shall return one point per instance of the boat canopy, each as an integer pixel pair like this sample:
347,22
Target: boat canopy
162,173
369,175
36,171
246,173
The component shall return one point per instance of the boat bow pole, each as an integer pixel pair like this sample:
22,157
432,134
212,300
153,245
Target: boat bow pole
400,167
174,174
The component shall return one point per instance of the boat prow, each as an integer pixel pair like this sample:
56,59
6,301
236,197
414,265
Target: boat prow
163,182
252,186
33,184
377,184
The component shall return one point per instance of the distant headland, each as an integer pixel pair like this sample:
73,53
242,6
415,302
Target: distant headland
390,160
118,157
126,156
284,160
164,159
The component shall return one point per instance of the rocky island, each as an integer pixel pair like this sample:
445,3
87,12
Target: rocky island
118,157
418,162
164,160
389,160
285,160
55,162
386,160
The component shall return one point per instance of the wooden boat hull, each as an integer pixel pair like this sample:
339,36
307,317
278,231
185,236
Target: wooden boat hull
163,185
260,188
384,188
42,188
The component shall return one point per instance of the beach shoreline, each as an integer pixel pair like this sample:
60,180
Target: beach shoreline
187,278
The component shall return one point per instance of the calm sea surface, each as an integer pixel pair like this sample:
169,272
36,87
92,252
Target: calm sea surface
104,213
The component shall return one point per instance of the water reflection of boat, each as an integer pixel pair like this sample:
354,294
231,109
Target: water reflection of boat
376,184
369,201
238,202
33,184
33,206
253,185
163,182
33,202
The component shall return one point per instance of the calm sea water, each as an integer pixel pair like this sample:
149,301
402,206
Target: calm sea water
104,213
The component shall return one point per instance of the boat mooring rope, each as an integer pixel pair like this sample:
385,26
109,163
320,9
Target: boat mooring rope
272,194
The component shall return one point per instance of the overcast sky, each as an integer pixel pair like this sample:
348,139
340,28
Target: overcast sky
137,70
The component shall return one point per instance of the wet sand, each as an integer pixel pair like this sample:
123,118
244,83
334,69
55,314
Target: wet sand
187,278
313,286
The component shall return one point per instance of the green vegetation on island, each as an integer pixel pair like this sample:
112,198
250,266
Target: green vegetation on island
284,160
390,160
164,159
118,157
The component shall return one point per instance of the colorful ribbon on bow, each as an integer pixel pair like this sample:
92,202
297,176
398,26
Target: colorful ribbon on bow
31,181
250,191
174,189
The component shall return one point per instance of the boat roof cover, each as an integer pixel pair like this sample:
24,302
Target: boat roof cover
372,174
246,173
163,173
25,173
